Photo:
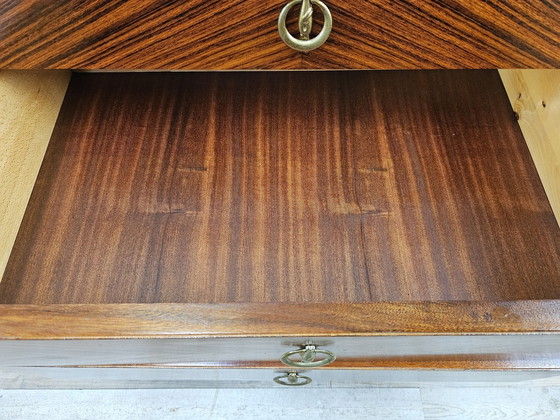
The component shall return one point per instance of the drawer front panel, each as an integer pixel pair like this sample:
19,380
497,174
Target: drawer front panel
242,34
115,378
475,350
457,335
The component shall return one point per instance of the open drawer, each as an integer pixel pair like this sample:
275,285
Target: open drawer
395,220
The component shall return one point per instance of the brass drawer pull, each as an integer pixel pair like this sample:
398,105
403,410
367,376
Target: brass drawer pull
308,355
305,22
292,379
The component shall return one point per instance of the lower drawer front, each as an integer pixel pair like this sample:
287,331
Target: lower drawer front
124,377
489,351
252,362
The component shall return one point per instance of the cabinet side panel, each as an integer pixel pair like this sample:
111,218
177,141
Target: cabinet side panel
29,105
535,98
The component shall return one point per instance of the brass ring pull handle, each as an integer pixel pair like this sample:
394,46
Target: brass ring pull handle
308,355
292,379
305,22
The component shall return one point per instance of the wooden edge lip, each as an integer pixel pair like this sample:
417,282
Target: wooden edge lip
119,321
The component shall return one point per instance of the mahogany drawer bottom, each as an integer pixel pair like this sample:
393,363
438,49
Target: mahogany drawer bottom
285,188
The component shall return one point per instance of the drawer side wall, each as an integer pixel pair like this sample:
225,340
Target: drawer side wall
29,106
535,98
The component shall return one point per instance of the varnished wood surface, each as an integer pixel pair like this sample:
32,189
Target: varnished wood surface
242,34
302,187
113,321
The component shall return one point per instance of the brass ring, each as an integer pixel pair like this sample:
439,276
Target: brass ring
299,44
308,363
292,379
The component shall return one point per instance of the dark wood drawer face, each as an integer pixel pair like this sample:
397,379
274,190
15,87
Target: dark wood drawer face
242,34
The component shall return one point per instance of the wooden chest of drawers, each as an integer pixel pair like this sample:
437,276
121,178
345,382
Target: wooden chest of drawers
184,222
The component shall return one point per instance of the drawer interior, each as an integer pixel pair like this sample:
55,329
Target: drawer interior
285,187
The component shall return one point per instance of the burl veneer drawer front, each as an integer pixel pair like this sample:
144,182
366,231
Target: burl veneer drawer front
243,34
